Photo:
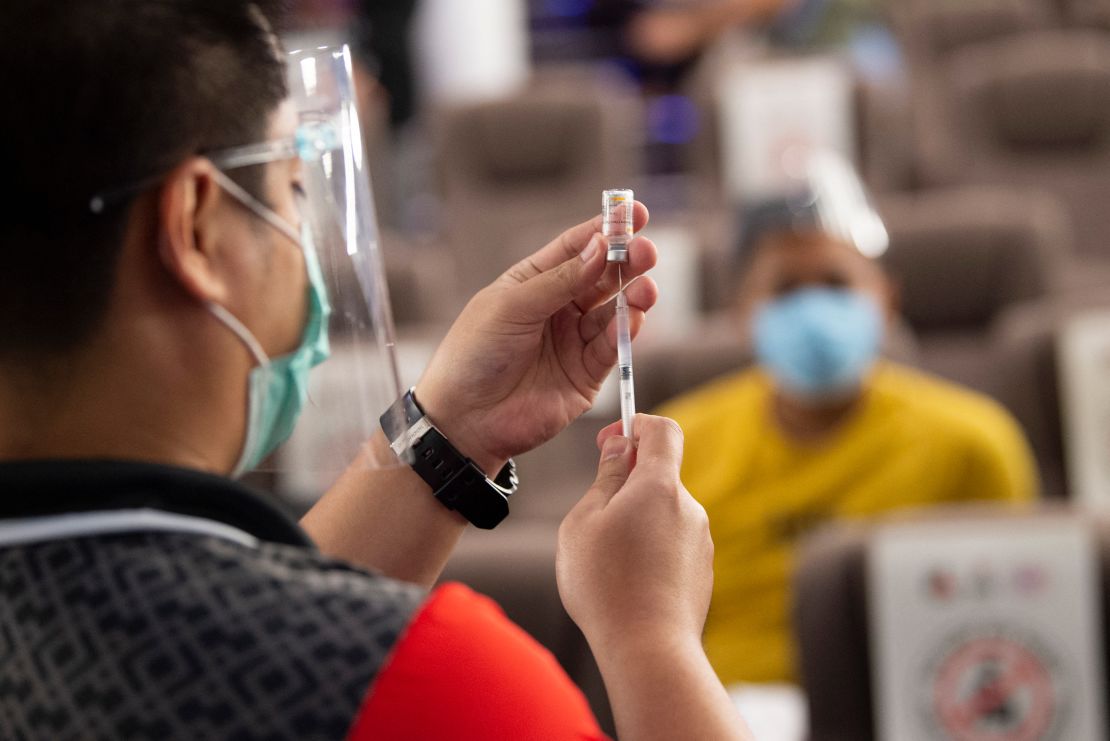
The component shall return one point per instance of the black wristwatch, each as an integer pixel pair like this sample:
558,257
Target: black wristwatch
455,480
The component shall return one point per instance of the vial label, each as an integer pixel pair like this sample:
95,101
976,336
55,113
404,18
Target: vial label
616,211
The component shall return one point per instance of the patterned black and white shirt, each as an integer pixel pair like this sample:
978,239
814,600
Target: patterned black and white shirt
140,601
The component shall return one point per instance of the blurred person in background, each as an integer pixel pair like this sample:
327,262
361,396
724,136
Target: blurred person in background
666,33
161,312
383,39
662,40
821,429
674,32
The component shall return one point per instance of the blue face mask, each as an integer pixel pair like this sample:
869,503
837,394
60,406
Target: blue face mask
818,343
278,387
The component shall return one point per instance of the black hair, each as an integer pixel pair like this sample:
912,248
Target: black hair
789,216
103,94
760,219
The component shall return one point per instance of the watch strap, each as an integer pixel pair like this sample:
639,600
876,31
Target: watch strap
401,422
456,481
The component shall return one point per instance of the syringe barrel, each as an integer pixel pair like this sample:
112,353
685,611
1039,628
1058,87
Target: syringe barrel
628,405
624,333
624,365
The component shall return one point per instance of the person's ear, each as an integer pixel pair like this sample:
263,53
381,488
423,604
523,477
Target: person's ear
751,290
892,298
189,230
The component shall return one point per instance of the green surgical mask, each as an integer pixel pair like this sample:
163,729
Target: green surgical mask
278,387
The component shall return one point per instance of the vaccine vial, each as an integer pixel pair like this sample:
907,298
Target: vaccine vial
616,213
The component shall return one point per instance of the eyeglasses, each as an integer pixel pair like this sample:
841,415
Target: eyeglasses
310,142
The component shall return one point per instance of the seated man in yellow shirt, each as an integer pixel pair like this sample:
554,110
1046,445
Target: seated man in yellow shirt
820,430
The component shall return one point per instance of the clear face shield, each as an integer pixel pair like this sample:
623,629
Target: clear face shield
339,234
361,379
332,412
827,193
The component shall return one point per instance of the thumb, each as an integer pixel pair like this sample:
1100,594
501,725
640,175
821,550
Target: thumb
541,296
613,470
614,429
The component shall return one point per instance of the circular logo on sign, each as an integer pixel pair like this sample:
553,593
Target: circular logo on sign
995,686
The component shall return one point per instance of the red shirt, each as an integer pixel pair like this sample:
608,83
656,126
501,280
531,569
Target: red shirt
463,671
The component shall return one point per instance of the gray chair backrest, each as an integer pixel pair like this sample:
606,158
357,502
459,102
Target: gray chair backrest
962,255
932,28
516,172
1028,111
1088,13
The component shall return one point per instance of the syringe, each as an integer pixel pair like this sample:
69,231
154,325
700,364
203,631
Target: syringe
617,208
624,362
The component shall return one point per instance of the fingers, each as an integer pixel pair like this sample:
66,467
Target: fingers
610,431
600,354
653,424
545,293
641,294
657,442
567,245
598,329
613,470
642,257
658,446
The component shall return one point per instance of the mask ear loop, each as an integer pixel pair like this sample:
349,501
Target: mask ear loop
267,214
240,330
232,322
259,209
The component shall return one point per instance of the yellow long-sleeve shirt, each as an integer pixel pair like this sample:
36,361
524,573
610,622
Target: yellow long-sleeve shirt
914,440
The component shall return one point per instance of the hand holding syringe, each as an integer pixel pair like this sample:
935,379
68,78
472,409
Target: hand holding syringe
616,208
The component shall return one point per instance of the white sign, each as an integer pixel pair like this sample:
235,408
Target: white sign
1084,363
770,108
676,313
986,631
773,712
469,52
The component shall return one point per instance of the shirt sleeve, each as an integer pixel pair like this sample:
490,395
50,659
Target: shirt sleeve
1002,465
463,671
